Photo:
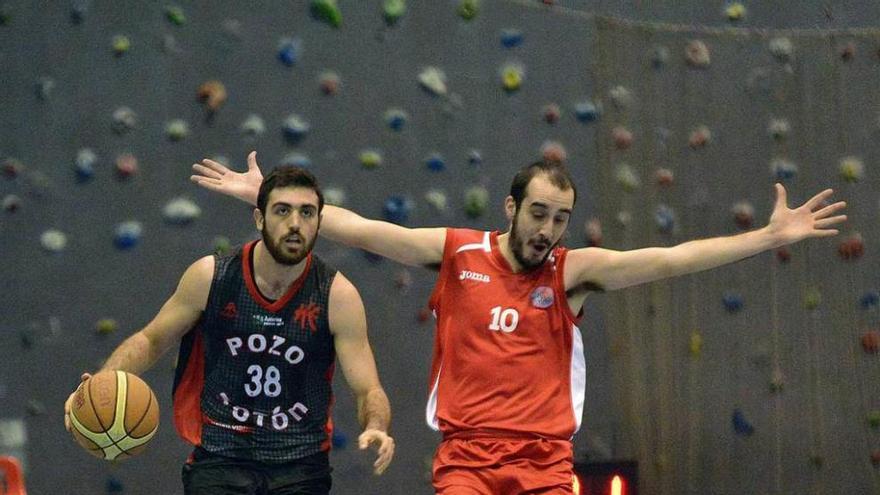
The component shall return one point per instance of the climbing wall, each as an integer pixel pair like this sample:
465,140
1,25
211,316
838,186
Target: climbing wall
761,377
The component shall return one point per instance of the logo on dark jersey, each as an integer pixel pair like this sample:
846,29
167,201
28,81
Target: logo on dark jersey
542,297
229,312
307,314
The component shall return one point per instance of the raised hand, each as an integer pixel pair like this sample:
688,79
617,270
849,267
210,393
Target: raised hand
812,219
383,444
217,177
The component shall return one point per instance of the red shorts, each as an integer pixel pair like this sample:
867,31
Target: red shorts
484,465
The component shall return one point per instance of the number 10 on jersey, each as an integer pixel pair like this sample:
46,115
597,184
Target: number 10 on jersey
504,319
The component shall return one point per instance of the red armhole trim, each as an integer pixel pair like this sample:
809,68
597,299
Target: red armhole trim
188,396
276,306
559,279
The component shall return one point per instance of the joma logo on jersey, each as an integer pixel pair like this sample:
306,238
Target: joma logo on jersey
469,275
269,321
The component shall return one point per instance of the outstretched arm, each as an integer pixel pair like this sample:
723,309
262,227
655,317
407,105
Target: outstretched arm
607,269
416,247
349,326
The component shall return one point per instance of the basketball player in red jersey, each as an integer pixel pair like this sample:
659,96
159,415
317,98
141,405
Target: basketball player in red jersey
260,331
508,375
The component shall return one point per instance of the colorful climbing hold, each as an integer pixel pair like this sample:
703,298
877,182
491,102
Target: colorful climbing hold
393,10
586,111
127,234
370,159
213,94
295,128
289,51
740,424
106,326
511,38
468,9
871,341
121,44
181,211
126,166
84,165
53,240
851,248
852,169
435,162
433,80
732,302
812,299
397,209
697,54
476,201
327,11
512,75
329,82
743,215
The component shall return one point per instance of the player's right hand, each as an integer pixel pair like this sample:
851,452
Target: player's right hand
84,377
217,177
383,444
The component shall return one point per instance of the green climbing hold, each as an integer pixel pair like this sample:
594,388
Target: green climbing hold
327,11
393,10
175,15
468,9
476,200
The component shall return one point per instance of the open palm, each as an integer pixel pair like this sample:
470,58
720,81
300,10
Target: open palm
812,219
217,177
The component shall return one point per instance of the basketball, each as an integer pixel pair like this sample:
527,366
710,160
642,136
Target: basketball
114,415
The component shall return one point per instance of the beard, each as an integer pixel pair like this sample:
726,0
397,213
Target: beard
278,252
517,247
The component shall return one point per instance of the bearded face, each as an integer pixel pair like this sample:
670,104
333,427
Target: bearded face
290,224
539,222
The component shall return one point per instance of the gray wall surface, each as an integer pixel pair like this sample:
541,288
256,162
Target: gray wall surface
648,397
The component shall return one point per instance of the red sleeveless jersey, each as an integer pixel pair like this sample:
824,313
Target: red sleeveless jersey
508,355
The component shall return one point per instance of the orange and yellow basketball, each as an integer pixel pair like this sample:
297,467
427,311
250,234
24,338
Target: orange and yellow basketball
114,415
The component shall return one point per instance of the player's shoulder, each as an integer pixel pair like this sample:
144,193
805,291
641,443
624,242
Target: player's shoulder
342,287
201,269
458,238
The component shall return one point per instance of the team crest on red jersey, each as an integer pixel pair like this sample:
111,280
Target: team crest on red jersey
229,312
542,297
307,314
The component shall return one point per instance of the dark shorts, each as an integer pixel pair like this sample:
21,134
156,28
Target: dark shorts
210,474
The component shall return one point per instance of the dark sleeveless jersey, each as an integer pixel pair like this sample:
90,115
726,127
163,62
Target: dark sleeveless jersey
253,378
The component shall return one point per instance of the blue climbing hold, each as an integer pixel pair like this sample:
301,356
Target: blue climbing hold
732,302
511,38
397,209
587,111
740,425
289,51
870,300
435,163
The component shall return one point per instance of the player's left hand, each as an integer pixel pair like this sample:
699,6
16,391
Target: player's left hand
812,219
383,444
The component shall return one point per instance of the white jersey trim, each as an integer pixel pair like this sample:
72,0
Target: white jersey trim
431,408
485,245
578,376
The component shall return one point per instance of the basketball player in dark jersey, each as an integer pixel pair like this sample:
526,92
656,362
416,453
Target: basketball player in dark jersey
259,332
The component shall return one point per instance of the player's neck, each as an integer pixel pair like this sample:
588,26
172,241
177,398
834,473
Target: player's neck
507,252
273,278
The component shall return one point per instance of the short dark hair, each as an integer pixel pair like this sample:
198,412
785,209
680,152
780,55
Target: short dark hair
288,176
554,170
